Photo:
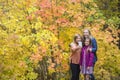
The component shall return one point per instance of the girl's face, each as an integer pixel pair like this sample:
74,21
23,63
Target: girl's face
87,42
78,39
86,33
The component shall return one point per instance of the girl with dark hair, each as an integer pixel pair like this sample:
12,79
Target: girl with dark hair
86,59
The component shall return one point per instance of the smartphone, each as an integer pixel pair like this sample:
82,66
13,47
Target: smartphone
80,44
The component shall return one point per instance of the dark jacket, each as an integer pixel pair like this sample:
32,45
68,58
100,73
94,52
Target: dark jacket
94,48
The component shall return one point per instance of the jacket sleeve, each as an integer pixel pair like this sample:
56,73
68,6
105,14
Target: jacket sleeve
91,59
94,45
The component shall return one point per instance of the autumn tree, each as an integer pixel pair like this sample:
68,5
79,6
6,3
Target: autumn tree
35,37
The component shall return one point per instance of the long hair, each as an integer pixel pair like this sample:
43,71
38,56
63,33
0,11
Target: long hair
76,36
90,42
90,35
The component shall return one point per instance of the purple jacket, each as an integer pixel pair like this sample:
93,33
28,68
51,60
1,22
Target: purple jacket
88,58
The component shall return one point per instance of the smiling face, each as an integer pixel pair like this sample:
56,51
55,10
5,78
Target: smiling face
86,33
78,39
87,42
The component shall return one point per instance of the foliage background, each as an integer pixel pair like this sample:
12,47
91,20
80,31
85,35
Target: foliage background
35,37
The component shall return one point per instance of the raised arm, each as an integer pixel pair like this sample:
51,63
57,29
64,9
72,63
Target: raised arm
73,47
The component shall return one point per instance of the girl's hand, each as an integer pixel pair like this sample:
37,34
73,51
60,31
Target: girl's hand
90,49
78,46
88,68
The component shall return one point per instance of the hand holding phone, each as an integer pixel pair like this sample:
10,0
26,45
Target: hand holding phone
80,44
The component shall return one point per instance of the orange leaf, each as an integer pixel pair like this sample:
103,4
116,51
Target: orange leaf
45,4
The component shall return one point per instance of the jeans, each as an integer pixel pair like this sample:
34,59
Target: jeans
75,69
92,77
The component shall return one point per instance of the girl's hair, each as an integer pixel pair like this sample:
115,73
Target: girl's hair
76,36
89,41
90,35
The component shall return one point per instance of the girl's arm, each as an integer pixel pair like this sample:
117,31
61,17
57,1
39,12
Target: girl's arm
74,48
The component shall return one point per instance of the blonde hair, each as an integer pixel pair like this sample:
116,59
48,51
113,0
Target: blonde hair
90,35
